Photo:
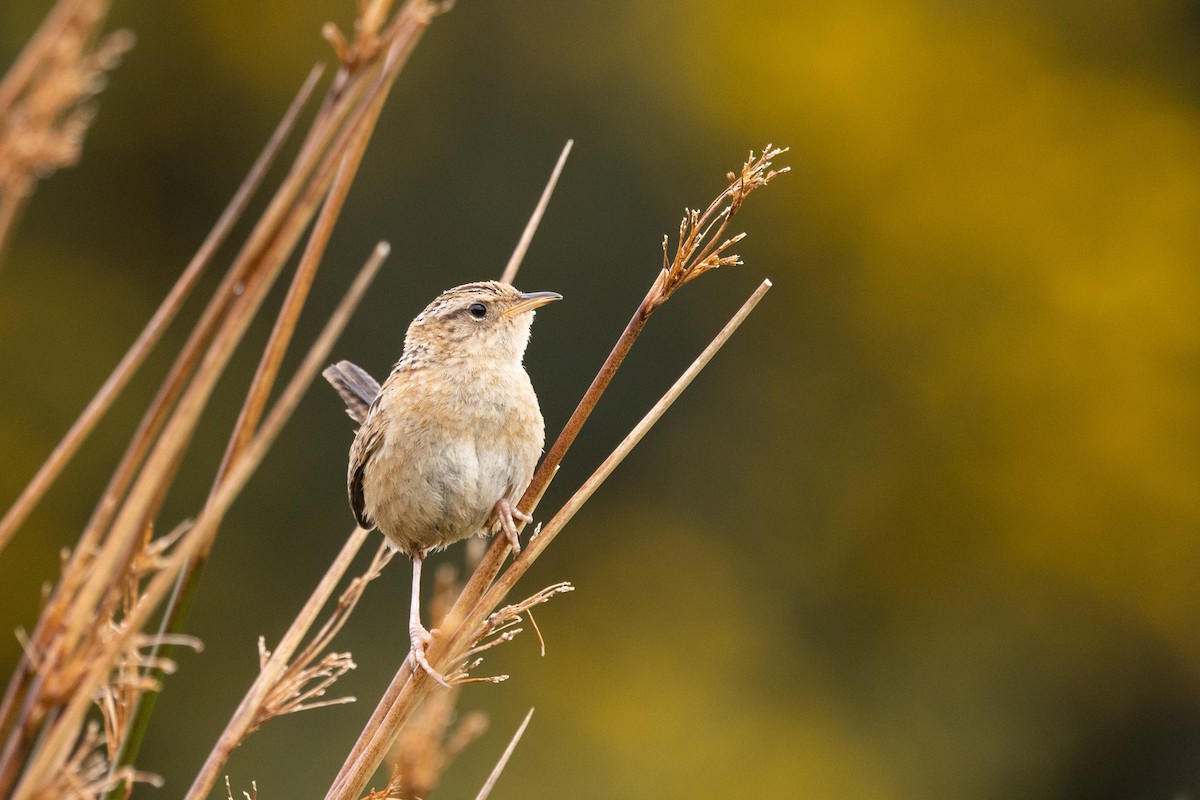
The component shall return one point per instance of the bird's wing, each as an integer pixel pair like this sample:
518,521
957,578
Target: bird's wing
356,387
361,452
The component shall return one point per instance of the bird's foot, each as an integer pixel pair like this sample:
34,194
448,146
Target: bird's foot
420,638
508,514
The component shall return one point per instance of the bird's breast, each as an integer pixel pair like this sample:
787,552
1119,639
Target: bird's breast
453,446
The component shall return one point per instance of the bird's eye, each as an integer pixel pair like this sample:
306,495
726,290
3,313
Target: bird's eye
478,310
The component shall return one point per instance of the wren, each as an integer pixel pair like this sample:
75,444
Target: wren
447,445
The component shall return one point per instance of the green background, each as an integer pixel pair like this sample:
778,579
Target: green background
928,527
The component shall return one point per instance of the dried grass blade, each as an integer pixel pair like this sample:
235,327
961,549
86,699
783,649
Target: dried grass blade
486,789
510,576
150,335
58,738
514,262
245,714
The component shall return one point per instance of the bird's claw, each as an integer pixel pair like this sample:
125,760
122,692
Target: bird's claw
508,514
419,638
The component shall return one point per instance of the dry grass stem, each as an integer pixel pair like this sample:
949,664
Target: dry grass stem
239,473
85,774
55,740
150,335
514,262
490,783
311,673
432,740
702,248
356,138
47,99
116,576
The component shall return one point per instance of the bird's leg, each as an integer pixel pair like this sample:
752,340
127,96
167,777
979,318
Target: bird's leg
505,512
418,637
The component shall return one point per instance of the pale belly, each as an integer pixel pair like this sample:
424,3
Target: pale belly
428,486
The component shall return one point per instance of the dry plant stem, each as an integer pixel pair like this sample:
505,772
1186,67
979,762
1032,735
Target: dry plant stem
57,740
150,335
539,543
260,254
256,398
407,690
699,249
514,262
255,267
372,744
104,398
160,465
243,718
490,783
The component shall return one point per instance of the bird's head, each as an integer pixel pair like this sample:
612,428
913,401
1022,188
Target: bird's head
488,320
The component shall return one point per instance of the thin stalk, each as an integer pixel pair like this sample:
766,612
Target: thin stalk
514,261
239,724
58,739
272,249
540,542
490,783
183,594
152,333
73,572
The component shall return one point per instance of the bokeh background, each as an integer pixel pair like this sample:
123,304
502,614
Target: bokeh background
928,527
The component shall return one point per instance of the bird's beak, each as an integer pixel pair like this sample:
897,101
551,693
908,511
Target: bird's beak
530,301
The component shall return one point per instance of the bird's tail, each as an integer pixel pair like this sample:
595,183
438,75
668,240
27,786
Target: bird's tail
357,389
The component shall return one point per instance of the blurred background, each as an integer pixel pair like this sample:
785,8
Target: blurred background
929,526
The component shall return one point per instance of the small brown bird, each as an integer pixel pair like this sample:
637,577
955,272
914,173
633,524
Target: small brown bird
447,445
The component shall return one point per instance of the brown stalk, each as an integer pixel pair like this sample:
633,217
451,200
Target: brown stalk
696,253
538,543
689,262
243,717
91,582
80,564
248,709
57,740
260,249
514,261
273,238
490,783
150,335
313,669
358,135
268,369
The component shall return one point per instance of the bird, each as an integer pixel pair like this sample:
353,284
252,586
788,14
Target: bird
447,445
